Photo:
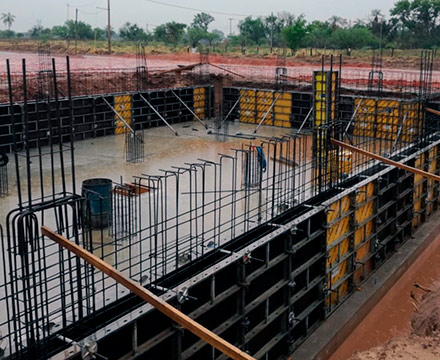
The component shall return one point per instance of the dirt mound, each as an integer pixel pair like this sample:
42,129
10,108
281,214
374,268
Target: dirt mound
404,348
426,321
424,340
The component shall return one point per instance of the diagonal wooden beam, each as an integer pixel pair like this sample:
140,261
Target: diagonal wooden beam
386,160
436,112
203,333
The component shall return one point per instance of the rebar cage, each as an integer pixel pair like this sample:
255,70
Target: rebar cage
159,223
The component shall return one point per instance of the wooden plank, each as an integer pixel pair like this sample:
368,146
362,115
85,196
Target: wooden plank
433,111
386,161
180,69
216,341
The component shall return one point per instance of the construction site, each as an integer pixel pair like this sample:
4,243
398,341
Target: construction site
208,210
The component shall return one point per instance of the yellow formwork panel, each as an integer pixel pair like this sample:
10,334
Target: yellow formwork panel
362,244
338,272
432,167
199,99
338,208
264,101
364,193
363,123
247,106
363,232
123,107
337,245
335,276
336,252
320,89
337,168
363,212
337,230
388,119
414,122
418,191
283,109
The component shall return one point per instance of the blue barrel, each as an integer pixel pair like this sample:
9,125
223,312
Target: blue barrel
98,210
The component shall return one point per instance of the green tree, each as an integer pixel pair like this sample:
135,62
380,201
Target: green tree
194,35
170,32
100,34
415,22
132,32
8,19
252,29
319,34
60,31
202,21
354,38
37,30
84,30
337,22
215,37
295,34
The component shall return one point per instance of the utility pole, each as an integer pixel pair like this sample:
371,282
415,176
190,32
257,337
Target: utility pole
76,31
68,11
109,29
271,32
230,26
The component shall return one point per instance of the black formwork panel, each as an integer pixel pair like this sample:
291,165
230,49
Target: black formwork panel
104,117
266,306
166,104
6,138
301,105
230,98
84,118
346,108
92,117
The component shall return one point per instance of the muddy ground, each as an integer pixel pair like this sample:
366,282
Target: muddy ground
423,342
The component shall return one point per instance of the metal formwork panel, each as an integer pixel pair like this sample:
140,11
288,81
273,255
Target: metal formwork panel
387,119
247,106
200,102
364,224
338,247
364,119
283,110
412,126
418,194
264,100
432,186
123,107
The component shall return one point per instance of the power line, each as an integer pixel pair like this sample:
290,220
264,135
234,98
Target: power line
91,13
83,5
195,9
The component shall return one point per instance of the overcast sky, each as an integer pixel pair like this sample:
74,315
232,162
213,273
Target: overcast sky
142,12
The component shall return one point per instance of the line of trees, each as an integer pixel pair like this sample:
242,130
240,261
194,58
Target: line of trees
411,24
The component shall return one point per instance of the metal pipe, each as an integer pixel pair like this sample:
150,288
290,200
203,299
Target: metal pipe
157,113
268,111
192,112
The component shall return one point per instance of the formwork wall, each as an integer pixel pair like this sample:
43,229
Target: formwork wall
290,108
304,264
92,117
379,118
